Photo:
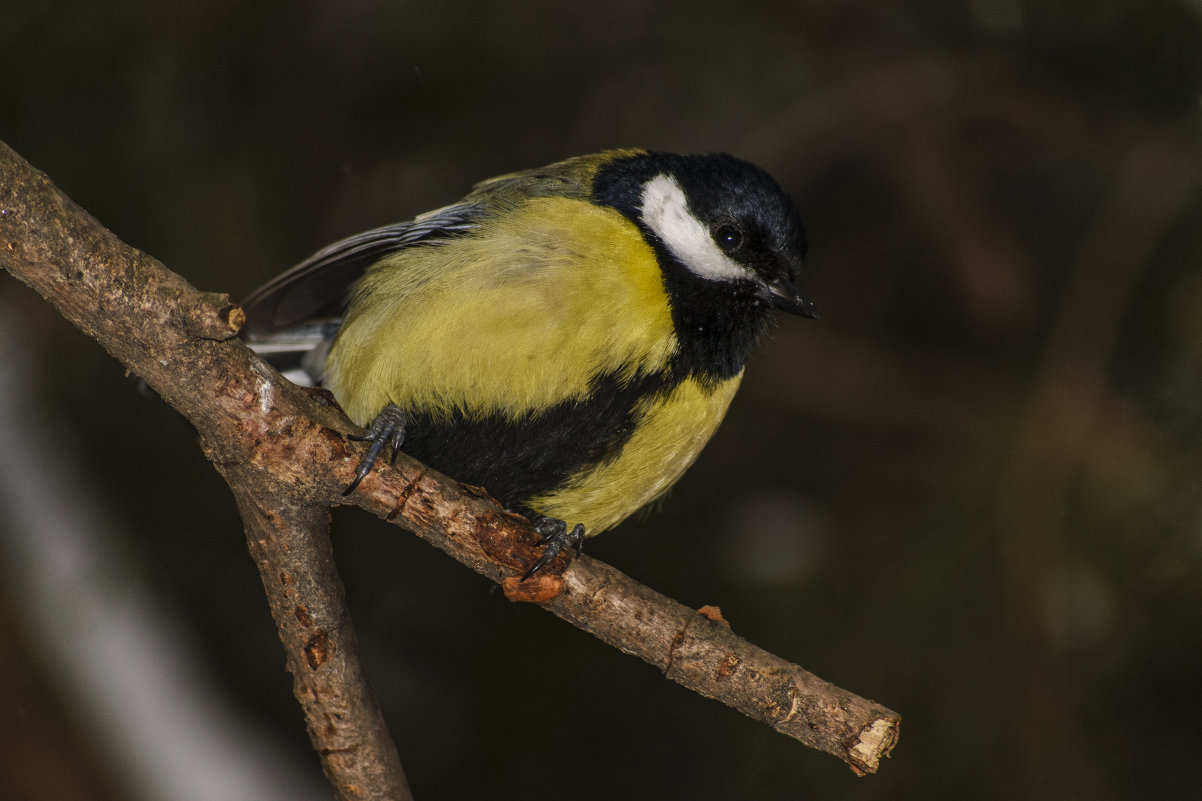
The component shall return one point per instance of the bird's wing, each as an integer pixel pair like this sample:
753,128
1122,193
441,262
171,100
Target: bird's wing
314,292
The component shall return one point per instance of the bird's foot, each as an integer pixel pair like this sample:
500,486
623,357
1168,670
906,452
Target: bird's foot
387,428
554,536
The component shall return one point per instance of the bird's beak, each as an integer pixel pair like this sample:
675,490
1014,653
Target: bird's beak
784,296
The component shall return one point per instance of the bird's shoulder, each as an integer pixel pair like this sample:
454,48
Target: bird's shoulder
570,178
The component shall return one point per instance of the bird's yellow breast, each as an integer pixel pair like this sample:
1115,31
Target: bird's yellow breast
519,315
672,429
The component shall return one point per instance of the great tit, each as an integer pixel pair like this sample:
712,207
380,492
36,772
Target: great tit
567,337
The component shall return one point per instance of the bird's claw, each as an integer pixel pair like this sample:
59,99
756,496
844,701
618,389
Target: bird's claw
386,429
554,535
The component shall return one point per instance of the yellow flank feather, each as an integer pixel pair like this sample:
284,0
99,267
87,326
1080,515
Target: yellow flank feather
670,432
516,316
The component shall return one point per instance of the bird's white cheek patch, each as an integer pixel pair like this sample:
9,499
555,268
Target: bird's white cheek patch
666,212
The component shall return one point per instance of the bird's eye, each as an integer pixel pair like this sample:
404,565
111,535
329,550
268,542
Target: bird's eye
728,237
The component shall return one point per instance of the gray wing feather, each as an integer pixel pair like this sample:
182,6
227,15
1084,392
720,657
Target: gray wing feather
314,292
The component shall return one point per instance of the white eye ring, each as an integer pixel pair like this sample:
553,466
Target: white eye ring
666,212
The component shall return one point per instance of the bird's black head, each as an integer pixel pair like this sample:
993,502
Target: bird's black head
730,243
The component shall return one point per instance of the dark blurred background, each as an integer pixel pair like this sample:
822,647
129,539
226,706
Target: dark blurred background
971,491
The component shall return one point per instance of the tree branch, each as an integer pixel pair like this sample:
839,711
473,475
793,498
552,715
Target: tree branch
290,543
180,341
275,441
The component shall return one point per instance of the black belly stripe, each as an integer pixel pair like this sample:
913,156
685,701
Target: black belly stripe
520,459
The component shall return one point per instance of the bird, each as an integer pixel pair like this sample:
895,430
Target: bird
567,337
